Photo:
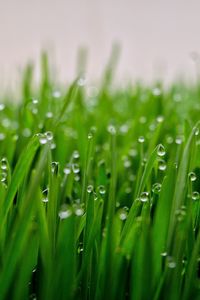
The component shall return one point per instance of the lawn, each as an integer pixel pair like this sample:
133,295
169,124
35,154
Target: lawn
100,190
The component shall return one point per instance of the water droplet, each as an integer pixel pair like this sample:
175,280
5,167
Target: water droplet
171,263
45,194
179,140
160,119
76,154
124,128
49,115
53,146
111,129
56,94
3,176
79,211
127,163
4,164
35,101
90,136
156,91
67,170
65,212
101,189
162,165
141,139
123,214
164,254
2,106
195,196
42,139
144,197
49,135
156,188
196,131
82,81
2,136
192,176
161,150
75,168
54,167
90,189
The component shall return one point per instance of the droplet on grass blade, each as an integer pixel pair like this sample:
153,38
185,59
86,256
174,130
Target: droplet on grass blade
79,211
2,106
192,176
141,139
161,150
144,197
195,131
76,154
90,189
162,165
123,214
111,129
101,189
67,170
156,188
49,135
75,168
65,212
195,196
4,164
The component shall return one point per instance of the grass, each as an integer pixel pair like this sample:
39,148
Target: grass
100,190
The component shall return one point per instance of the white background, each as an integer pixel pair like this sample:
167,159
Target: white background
156,36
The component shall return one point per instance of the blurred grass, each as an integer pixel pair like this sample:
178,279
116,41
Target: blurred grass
100,189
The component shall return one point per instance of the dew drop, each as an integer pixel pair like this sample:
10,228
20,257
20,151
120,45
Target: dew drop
195,196
111,129
162,165
144,197
65,212
90,189
127,163
54,167
161,150
4,164
2,106
171,263
101,189
49,135
160,119
79,211
49,115
141,139
179,140
123,214
192,176
76,154
42,139
56,94
75,168
2,136
156,188
67,170
196,131
90,136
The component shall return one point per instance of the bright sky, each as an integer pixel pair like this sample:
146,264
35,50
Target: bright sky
156,36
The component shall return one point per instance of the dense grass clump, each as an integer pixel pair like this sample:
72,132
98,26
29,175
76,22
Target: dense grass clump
100,191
